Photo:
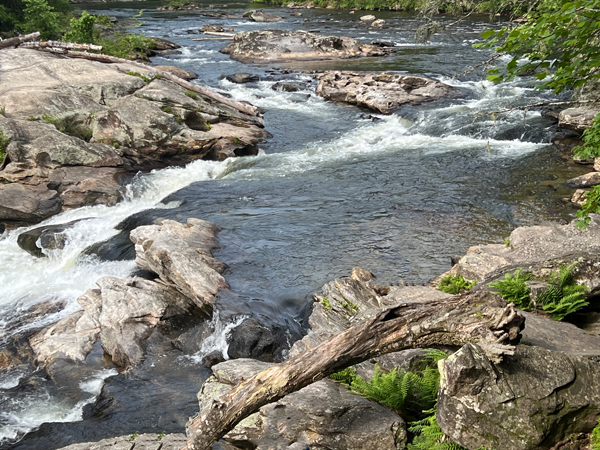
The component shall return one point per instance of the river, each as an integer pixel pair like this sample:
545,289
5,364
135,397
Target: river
335,187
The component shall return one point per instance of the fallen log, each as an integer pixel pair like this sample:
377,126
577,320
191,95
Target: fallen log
244,107
14,42
219,33
61,44
213,39
479,317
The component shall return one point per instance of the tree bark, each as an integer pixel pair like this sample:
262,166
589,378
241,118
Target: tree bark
13,42
480,317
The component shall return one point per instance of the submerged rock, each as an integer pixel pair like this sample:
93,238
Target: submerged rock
242,77
270,46
50,237
76,128
530,401
260,16
382,92
321,415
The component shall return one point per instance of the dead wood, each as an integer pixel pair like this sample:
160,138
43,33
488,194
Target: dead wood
61,44
219,33
14,42
479,317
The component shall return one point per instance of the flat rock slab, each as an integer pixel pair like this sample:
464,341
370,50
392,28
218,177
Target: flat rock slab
587,180
578,119
531,400
277,46
146,441
321,415
381,92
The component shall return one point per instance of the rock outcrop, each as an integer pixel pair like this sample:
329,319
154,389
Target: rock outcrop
144,441
123,313
76,128
578,119
322,415
260,16
530,401
277,46
381,92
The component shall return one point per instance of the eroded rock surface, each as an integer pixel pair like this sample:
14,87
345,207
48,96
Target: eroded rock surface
146,441
382,92
270,46
77,127
530,401
577,119
321,415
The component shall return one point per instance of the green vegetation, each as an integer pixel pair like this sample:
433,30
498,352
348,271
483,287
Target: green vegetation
515,289
170,110
139,75
191,94
326,304
455,284
161,435
82,29
595,439
178,3
68,126
133,437
413,395
4,140
564,296
591,206
3,110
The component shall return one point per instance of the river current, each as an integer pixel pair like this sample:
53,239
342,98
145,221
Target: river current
335,187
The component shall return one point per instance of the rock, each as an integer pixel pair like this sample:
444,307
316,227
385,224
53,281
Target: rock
577,119
242,77
587,180
212,29
378,23
288,86
579,197
181,255
530,401
260,16
146,441
28,203
597,164
271,46
383,43
50,237
382,92
251,339
539,249
178,72
367,18
77,127
321,415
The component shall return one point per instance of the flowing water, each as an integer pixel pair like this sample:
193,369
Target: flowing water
335,187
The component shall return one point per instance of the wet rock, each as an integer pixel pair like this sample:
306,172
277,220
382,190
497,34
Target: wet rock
383,43
212,29
252,339
378,23
181,256
50,237
179,72
242,77
577,119
146,441
587,180
367,18
260,16
75,127
579,197
321,415
382,92
28,203
270,46
288,86
530,401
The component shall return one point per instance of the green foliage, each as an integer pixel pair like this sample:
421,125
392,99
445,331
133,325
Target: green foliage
3,110
564,296
591,206
429,435
161,435
591,141
38,15
4,140
82,29
507,242
455,284
178,3
127,45
514,288
68,126
595,438
191,94
143,77
326,304
133,437
559,41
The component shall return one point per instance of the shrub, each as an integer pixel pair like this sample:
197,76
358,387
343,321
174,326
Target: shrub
4,140
68,126
82,29
455,284
127,45
515,289
39,16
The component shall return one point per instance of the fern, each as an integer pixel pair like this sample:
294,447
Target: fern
564,296
515,289
429,435
455,284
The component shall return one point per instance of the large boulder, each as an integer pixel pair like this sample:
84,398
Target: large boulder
530,401
260,16
271,46
578,119
75,127
321,415
381,92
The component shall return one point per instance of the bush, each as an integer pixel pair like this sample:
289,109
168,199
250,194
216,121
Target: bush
127,45
82,30
4,140
455,284
40,16
515,289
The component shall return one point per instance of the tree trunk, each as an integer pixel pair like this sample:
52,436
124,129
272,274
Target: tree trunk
480,317
61,45
13,42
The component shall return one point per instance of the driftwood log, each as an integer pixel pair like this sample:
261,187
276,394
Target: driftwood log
16,41
479,317
61,45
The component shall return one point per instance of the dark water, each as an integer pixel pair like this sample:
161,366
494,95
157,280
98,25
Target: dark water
335,187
